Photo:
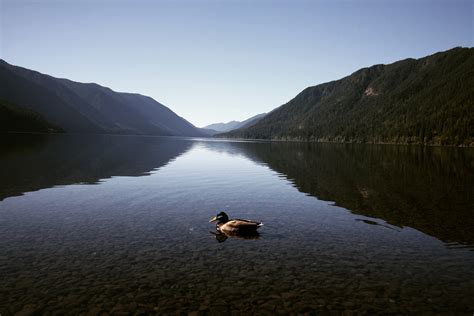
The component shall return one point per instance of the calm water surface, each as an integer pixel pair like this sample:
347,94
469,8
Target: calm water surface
119,225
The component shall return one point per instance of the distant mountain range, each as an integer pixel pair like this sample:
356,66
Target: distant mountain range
413,101
232,125
62,104
421,101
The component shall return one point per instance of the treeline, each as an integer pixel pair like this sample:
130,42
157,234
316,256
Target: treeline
14,118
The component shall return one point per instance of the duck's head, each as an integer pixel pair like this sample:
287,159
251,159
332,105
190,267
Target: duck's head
220,218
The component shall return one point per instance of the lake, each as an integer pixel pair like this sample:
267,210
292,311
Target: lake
119,224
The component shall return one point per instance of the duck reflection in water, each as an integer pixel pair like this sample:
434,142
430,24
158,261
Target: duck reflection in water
223,236
239,228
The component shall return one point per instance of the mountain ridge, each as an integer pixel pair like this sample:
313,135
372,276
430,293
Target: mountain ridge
231,125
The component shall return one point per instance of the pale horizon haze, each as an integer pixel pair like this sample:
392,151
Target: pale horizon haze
217,61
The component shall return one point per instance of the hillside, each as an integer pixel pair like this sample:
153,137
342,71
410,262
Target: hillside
14,118
232,125
422,101
88,107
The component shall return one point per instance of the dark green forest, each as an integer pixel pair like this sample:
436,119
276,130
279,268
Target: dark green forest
414,101
14,118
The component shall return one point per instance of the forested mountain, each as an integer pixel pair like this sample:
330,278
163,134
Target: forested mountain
229,126
423,101
89,107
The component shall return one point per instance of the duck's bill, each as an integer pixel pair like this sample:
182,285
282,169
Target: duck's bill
213,219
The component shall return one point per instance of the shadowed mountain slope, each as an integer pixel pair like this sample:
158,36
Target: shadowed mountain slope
88,107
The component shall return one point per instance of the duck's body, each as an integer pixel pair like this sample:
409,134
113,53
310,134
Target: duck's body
239,225
225,224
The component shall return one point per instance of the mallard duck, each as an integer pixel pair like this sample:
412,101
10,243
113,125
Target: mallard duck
225,224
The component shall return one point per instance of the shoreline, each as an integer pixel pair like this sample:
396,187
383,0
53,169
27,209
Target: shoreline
471,145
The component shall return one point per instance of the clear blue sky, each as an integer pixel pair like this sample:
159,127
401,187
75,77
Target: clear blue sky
214,61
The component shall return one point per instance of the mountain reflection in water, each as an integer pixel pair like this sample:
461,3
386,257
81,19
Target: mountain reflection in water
34,162
426,188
